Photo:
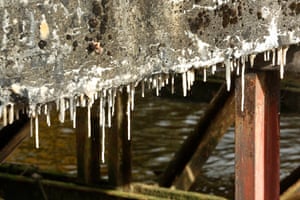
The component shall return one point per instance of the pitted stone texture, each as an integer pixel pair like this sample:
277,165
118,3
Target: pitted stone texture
61,48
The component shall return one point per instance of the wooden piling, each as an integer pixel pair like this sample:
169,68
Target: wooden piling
88,149
119,147
257,137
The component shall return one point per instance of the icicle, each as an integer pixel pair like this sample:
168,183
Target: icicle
228,74
67,105
274,57
279,56
31,126
156,85
213,69
238,68
150,83
48,119
1,111
71,108
45,109
103,137
231,65
38,110
143,88
109,108
192,77
74,118
128,113
95,96
62,110
243,84
82,101
167,80
132,97
100,110
89,119
188,77
252,58
161,81
37,142
172,84
268,55
113,102
283,61
11,114
184,86
4,115
57,104
204,75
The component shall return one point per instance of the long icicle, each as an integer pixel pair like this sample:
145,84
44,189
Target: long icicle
37,141
228,74
143,88
4,115
132,91
71,108
172,84
74,118
204,75
109,108
103,135
128,112
100,110
283,61
243,83
274,57
252,59
184,84
213,69
89,118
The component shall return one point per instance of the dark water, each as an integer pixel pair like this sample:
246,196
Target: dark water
159,126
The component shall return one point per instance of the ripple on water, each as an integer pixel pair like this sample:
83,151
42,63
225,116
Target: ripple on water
159,127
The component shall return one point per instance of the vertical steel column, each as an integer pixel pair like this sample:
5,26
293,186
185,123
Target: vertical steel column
257,137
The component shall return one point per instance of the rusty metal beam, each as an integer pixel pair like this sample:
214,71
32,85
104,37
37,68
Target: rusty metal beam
257,138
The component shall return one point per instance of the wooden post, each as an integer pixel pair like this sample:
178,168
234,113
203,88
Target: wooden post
119,147
88,149
257,137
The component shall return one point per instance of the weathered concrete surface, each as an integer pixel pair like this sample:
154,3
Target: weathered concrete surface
60,48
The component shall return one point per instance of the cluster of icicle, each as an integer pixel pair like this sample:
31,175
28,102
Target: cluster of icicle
107,97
